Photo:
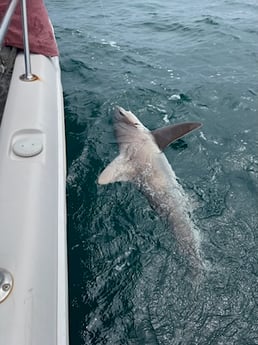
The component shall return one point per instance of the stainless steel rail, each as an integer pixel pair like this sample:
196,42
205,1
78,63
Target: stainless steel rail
6,20
27,76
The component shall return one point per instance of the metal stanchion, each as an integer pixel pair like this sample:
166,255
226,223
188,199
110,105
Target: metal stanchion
27,76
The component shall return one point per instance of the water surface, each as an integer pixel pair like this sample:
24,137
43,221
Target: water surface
168,62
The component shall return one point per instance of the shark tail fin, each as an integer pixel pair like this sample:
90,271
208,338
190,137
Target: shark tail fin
117,170
166,135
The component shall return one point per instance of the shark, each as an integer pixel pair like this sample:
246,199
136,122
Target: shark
141,161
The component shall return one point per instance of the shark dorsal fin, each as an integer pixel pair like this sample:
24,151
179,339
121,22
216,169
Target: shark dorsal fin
166,135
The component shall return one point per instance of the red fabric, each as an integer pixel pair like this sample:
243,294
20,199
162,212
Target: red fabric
41,35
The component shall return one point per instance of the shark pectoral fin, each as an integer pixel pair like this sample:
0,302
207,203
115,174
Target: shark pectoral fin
166,135
117,170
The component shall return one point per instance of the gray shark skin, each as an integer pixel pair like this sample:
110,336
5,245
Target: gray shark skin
142,162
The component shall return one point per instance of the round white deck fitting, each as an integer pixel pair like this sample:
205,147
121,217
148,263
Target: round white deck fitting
28,147
6,284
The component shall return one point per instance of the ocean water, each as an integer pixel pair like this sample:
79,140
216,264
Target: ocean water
168,62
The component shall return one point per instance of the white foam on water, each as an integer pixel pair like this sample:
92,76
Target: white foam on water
175,97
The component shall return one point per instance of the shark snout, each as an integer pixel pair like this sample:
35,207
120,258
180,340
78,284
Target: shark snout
120,110
121,115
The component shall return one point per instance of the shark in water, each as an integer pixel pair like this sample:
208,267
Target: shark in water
142,161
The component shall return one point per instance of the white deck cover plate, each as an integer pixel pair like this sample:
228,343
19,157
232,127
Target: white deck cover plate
33,209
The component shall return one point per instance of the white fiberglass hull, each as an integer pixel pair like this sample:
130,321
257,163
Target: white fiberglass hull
33,208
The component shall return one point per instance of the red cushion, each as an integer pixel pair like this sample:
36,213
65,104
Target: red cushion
41,35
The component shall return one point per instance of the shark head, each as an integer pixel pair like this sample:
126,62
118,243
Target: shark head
128,128
137,144
127,117
132,137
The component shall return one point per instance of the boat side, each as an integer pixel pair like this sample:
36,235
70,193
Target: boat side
33,245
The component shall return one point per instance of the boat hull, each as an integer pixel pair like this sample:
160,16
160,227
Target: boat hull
33,246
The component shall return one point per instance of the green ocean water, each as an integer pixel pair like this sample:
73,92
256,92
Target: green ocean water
168,62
